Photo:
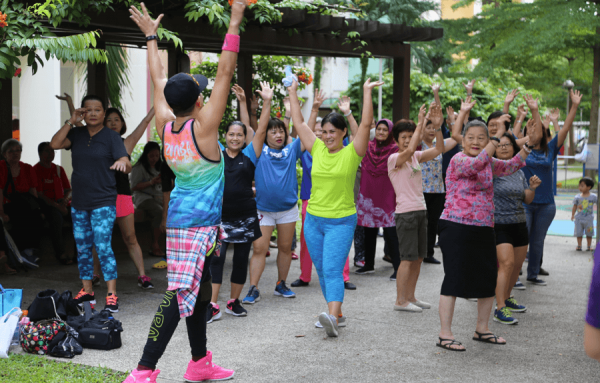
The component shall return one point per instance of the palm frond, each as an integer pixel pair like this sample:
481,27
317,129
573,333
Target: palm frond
117,72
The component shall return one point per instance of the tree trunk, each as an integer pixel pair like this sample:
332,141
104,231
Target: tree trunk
593,134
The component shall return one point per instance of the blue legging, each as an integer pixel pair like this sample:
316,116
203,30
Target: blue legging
95,227
329,241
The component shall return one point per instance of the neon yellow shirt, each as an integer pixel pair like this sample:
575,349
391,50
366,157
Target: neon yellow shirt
333,175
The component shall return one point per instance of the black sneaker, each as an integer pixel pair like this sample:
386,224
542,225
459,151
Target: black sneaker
437,244
543,272
213,312
82,296
112,303
364,270
144,282
393,276
349,286
431,260
299,283
537,281
234,307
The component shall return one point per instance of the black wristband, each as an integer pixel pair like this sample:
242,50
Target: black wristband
529,146
153,37
495,139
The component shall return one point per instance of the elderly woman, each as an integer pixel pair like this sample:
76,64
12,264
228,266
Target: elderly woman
98,153
20,204
466,227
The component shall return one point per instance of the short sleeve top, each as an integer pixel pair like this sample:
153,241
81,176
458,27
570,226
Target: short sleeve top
585,205
540,164
50,183
238,197
433,182
407,183
333,176
94,183
26,179
140,174
509,194
275,176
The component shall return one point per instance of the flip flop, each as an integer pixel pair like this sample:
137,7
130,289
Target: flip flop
452,343
493,339
160,265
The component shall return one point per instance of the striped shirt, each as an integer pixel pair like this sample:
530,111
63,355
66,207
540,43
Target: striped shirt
509,193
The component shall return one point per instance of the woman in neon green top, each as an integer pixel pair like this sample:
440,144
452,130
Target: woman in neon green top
331,213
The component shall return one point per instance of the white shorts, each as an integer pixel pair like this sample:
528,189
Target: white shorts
268,218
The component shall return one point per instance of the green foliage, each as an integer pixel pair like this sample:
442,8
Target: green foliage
117,72
318,69
139,148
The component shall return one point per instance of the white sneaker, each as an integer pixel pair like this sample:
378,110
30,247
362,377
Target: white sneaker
341,322
421,304
411,307
329,324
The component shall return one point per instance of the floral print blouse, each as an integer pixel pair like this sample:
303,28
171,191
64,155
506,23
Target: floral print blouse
470,194
433,182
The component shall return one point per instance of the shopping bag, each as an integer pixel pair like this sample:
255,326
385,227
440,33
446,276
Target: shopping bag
8,325
10,298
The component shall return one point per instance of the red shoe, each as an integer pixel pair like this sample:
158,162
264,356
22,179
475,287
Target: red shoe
204,369
268,254
82,296
294,256
142,376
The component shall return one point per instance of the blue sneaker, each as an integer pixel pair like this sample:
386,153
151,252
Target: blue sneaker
252,297
514,306
519,285
504,316
282,290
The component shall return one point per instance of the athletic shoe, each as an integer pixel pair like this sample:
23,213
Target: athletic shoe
146,376
514,306
204,370
431,260
349,286
213,312
144,282
281,290
294,256
272,245
387,258
543,272
437,244
537,281
234,307
82,296
341,322
360,263
96,280
299,283
393,276
504,316
112,303
329,324
421,304
252,297
519,285
364,270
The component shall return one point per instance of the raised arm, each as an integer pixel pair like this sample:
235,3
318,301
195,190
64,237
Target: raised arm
314,111
521,115
149,27
254,112
361,141
575,101
307,136
244,116
554,116
344,106
135,136
436,117
465,109
469,87
435,87
532,104
287,117
510,97
70,105
407,154
259,137
60,140
534,182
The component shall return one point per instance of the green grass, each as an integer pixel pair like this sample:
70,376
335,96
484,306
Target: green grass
33,369
573,183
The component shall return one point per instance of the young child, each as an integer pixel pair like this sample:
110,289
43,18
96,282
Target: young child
583,212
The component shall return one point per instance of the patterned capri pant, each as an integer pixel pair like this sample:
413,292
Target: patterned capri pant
95,227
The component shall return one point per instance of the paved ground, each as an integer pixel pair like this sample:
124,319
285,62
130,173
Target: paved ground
278,340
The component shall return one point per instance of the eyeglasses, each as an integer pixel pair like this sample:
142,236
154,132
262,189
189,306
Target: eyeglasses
504,146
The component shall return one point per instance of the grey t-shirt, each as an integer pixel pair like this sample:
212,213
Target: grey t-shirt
585,206
509,193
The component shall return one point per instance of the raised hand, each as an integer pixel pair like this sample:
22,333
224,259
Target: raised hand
451,117
532,103
144,21
575,97
510,97
266,92
237,11
502,120
546,121
435,87
521,112
239,93
319,99
469,86
78,115
435,115
554,114
422,113
66,97
368,86
467,104
294,86
534,182
344,104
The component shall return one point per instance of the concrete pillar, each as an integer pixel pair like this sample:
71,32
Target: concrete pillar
135,96
39,109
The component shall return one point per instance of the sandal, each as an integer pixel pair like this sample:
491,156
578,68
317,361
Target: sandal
447,346
578,248
493,339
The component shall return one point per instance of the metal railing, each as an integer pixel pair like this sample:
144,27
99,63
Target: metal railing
565,165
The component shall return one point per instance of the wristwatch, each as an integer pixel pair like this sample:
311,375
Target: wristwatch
68,122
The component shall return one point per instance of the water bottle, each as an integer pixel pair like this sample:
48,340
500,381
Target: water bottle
15,339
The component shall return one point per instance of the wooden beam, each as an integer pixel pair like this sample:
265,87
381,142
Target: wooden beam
401,89
244,76
97,77
5,109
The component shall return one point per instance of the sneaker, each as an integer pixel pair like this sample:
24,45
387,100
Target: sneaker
144,282
112,303
514,306
82,296
136,376
393,276
364,270
410,308
349,286
437,244
96,280
504,316
299,283
431,260
234,307
294,256
519,286
213,312
341,322
281,290
204,369
359,263
543,272
252,297
387,258
329,324
537,281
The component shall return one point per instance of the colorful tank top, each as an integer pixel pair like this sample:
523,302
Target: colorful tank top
197,198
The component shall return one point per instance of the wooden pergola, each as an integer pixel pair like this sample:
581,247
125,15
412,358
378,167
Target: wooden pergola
298,34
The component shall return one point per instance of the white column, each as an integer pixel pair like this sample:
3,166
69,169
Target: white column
135,96
39,109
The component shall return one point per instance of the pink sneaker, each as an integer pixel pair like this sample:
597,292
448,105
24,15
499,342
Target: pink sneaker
204,369
142,376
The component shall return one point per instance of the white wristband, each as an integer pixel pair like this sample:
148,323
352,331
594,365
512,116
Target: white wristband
349,113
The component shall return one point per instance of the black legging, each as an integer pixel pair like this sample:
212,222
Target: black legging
435,207
167,318
241,253
391,239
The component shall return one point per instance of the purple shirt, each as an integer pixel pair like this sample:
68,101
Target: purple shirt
593,311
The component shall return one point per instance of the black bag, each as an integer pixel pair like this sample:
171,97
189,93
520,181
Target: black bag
97,330
65,344
66,306
44,305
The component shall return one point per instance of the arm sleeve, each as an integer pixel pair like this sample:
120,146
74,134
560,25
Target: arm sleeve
249,152
502,168
576,200
469,166
137,175
64,179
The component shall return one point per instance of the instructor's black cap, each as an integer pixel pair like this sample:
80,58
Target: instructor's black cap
183,89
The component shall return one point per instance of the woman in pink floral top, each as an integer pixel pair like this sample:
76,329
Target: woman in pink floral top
466,227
